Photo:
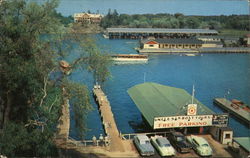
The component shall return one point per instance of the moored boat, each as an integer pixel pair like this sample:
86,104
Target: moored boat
130,58
236,107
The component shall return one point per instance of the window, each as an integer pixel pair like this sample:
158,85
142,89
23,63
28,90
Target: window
228,136
151,45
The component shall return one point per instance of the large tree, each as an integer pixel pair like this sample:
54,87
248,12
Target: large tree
32,41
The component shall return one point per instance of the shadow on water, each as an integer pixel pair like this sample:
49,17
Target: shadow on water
140,126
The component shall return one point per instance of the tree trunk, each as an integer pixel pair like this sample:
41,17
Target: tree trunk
7,109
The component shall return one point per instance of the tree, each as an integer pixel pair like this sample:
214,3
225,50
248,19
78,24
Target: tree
32,41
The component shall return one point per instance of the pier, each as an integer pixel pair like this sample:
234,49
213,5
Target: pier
200,50
237,111
109,124
138,33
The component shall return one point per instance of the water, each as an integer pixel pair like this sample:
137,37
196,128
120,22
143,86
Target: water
212,74
187,7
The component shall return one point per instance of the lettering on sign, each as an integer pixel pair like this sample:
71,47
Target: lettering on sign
182,121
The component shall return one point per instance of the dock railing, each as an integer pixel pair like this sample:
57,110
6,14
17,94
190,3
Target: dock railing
150,134
79,143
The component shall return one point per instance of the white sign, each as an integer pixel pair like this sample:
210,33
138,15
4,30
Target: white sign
192,109
182,121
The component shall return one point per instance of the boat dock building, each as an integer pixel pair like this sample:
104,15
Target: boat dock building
138,33
165,107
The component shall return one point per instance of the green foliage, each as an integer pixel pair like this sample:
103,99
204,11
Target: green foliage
32,41
178,20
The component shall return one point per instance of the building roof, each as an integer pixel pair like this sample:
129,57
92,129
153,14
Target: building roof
244,142
161,30
78,15
175,41
156,100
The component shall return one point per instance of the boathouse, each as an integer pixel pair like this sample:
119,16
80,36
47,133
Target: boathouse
87,18
165,107
138,33
179,43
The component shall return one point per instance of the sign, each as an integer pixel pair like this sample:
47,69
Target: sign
220,120
192,109
182,121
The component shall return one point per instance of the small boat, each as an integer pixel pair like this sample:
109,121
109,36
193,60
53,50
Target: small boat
130,58
65,67
190,55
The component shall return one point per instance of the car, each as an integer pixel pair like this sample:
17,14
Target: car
143,145
163,146
200,145
178,140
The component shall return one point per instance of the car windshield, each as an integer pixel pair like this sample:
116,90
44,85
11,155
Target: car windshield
204,145
167,145
179,139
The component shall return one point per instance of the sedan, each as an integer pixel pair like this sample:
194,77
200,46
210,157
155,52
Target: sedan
200,145
178,140
143,145
163,146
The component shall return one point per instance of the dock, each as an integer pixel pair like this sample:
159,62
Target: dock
138,33
238,112
108,120
200,50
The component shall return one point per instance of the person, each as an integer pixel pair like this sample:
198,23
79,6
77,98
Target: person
94,140
101,139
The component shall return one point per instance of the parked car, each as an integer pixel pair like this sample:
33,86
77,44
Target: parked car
178,140
200,145
163,146
143,145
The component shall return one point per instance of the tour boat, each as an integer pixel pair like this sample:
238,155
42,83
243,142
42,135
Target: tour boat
130,58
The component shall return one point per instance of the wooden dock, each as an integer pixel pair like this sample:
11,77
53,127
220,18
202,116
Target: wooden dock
238,112
201,50
109,124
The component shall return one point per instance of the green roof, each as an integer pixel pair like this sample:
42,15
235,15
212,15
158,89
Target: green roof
156,100
244,142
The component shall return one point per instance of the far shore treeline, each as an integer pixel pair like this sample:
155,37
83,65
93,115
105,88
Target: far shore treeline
178,20
165,20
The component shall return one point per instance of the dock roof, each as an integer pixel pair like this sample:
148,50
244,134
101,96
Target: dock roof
156,100
244,142
161,30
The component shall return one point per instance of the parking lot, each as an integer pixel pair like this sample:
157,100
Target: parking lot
219,150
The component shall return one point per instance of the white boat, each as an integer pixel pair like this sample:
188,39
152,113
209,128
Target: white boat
130,58
190,55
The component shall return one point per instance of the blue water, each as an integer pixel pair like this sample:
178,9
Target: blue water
212,74
187,7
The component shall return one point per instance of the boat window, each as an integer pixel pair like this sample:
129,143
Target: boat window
151,45
147,142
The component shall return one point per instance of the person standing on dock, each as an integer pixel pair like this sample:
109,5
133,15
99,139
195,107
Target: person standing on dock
101,140
94,140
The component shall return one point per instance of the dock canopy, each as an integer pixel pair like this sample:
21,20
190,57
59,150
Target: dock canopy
161,30
156,100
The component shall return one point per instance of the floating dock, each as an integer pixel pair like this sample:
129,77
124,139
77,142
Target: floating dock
201,50
109,123
237,111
